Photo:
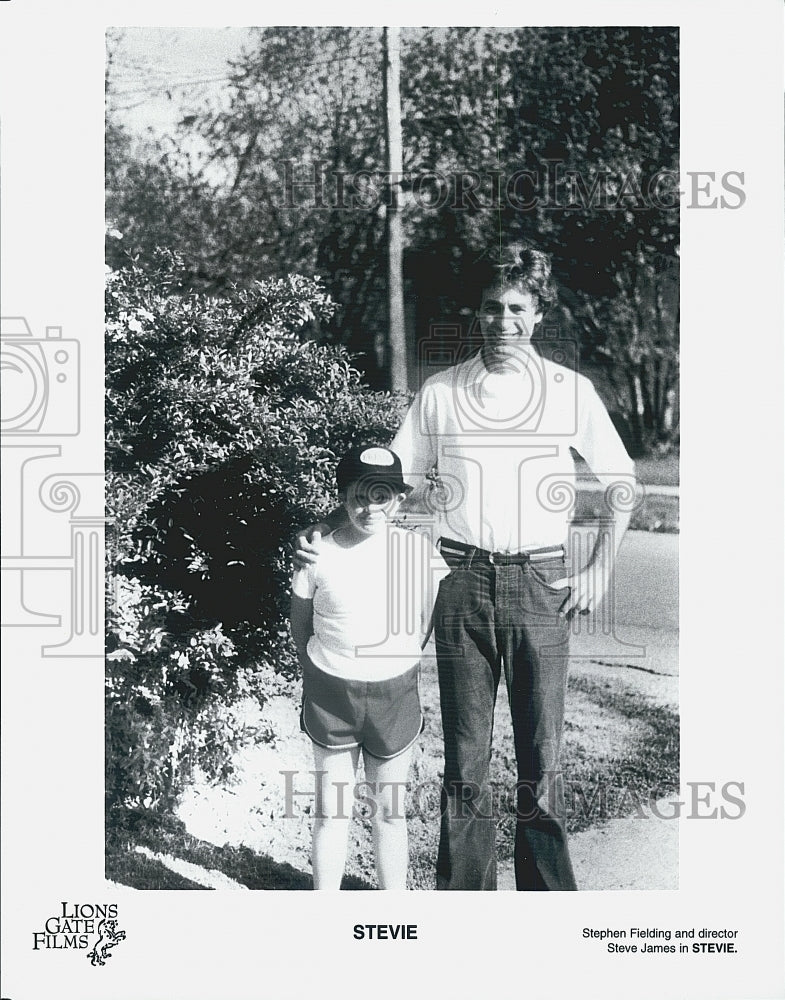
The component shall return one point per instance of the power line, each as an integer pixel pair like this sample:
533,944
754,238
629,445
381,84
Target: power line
170,85
359,56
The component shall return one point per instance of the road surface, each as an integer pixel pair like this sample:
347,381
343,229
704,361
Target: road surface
642,648
638,624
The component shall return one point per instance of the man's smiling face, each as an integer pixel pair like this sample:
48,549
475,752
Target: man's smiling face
507,320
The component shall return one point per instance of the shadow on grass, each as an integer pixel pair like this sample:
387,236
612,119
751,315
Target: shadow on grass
139,872
128,830
626,777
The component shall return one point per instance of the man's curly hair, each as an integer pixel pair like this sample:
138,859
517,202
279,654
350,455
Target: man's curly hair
523,266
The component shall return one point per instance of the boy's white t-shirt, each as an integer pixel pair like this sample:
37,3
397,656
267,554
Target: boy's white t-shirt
368,602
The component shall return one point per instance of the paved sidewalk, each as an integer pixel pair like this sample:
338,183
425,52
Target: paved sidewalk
592,486
622,854
640,655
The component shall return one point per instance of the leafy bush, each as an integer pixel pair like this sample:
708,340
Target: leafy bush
169,697
224,424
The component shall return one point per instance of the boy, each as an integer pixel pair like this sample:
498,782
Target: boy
358,620
499,428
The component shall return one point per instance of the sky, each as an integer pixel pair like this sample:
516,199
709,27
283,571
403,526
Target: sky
157,72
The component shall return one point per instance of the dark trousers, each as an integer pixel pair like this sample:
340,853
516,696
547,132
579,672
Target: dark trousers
491,617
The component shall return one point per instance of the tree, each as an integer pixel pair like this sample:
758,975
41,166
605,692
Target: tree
224,425
293,177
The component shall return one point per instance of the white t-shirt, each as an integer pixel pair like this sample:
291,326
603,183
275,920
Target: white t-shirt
501,446
370,601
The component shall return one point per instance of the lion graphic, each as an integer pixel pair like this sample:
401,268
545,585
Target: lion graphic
108,937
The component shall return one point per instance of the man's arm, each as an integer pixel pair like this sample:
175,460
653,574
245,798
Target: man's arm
589,585
416,446
436,569
301,626
306,543
602,448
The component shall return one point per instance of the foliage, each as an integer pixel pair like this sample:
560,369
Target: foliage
171,696
309,97
304,116
572,108
640,345
223,428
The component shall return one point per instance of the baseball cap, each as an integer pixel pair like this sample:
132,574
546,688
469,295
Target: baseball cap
372,466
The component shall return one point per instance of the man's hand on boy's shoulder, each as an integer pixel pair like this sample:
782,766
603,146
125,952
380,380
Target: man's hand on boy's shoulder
307,543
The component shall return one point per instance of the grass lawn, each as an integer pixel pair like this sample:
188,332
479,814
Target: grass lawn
658,470
651,470
621,752
655,513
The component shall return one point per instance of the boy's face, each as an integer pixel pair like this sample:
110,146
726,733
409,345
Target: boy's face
370,504
507,319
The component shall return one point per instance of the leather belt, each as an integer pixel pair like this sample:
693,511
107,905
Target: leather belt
472,553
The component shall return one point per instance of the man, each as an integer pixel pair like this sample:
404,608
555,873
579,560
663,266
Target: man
497,430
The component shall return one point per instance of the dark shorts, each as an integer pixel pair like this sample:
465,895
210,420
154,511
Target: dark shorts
382,717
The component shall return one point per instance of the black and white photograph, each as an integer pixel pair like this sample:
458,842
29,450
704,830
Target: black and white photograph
392,486
487,219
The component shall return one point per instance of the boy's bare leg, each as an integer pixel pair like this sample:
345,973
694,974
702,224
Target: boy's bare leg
387,778
334,802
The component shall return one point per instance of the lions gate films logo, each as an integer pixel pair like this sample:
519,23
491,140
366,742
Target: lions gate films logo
82,926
